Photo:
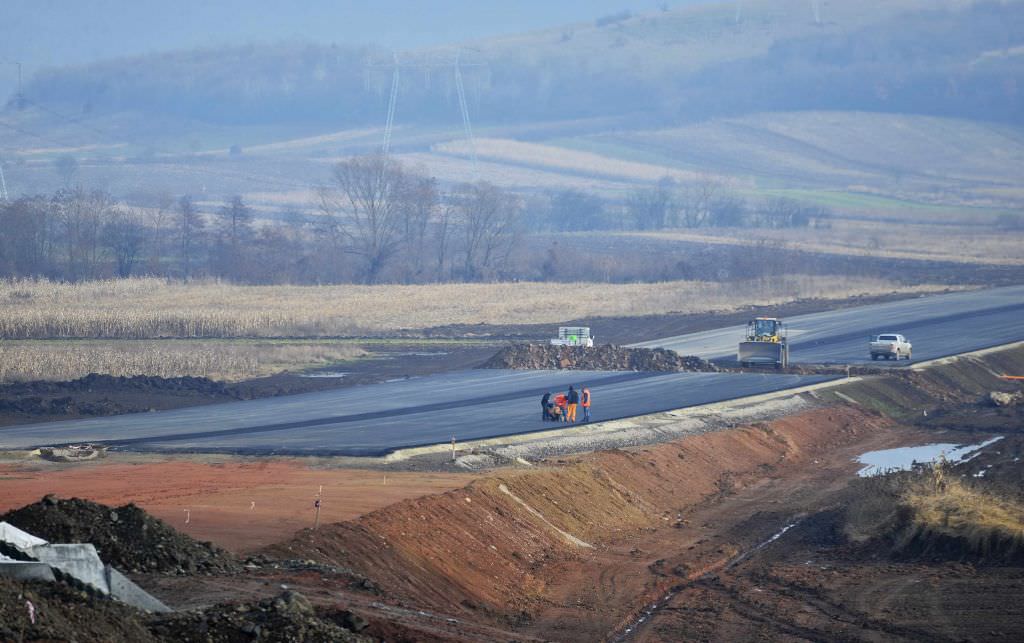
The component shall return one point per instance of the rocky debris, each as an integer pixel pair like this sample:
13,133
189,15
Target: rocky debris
998,398
126,537
59,406
287,617
63,613
607,357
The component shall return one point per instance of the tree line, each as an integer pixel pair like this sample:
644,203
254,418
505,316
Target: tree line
375,221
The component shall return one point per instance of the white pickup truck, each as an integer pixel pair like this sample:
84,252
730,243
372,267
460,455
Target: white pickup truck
890,346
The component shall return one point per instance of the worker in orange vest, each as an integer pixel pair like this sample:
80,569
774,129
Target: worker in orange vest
561,403
585,403
573,397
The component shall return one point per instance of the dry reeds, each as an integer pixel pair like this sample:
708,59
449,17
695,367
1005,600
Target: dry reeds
215,359
152,308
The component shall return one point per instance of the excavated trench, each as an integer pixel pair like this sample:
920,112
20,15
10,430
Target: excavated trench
576,549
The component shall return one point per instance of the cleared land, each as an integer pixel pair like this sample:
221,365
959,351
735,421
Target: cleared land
219,492
152,308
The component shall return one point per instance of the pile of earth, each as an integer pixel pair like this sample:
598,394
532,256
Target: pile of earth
287,617
607,357
62,613
126,537
97,383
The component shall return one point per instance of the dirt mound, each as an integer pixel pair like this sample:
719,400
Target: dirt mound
65,614
288,617
599,358
126,537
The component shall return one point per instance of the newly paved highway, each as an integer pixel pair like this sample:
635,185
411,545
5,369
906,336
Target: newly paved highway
937,326
378,418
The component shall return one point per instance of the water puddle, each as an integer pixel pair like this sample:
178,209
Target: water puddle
903,459
326,375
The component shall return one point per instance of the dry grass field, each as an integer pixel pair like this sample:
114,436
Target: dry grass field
225,360
153,308
958,244
565,160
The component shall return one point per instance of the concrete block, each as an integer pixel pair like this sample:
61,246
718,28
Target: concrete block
25,570
124,590
79,561
17,538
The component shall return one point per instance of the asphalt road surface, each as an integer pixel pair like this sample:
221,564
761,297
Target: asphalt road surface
380,418
376,419
937,326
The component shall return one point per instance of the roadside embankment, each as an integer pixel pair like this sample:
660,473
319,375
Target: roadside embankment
495,547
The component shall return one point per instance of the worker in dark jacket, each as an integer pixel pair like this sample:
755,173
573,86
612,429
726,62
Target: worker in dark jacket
573,399
545,407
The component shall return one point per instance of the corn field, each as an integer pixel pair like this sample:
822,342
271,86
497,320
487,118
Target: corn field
149,308
231,361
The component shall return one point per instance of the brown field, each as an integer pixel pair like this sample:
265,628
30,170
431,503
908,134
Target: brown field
959,244
219,492
153,308
28,360
564,159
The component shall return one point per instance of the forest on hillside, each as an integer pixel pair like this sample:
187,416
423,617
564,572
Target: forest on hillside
962,62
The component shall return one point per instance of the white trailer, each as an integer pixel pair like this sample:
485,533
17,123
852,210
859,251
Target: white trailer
574,336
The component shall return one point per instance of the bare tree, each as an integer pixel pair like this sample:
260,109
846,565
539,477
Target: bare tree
489,219
652,208
236,218
235,230
419,202
367,198
124,235
727,211
696,199
26,237
158,217
81,216
190,227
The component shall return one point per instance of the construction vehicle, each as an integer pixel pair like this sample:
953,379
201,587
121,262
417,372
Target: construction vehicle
574,336
765,344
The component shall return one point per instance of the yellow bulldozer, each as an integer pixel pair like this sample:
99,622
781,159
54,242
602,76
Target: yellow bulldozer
765,344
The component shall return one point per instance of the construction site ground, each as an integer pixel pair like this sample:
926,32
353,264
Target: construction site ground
731,532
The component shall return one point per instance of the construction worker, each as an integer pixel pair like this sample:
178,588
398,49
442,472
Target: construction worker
573,399
561,403
585,402
545,407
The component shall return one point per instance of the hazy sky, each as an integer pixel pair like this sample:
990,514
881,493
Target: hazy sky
64,32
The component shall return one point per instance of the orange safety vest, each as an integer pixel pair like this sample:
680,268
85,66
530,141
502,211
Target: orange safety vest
586,398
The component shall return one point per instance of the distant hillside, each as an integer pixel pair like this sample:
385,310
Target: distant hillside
938,57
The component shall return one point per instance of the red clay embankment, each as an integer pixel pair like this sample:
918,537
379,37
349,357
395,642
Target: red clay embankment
505,544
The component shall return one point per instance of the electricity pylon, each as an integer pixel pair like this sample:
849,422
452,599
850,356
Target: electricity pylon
430,63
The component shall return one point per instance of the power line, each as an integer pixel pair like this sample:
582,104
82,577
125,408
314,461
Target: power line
430,62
